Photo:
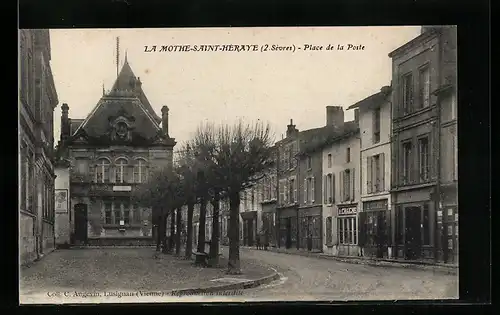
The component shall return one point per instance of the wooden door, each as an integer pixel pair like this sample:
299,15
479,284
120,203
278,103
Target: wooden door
80,223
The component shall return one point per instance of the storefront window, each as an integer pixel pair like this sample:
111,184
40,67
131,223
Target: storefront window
347,230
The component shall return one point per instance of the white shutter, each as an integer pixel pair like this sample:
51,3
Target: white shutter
305,191
353,183
325,189
312,189
382,171
295,191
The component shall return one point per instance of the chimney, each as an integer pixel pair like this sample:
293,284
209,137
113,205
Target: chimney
64,122
356,115
290,129
335,116
164,120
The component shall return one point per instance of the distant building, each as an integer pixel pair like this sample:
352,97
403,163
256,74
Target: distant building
37,101
375,216
268,188
110,153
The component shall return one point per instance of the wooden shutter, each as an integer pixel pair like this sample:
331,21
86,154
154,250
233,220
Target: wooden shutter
332,187
353,183
92,173
312,189
362,229
382,171
325,189
305,191
341,184
369,177
295,191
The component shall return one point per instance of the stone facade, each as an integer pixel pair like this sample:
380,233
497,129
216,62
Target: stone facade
108,156
38,99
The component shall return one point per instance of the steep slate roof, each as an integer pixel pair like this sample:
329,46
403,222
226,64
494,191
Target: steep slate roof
126,98
315,139
127,81
74,124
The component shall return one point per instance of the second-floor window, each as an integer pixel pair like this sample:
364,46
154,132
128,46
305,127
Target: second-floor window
121,171
376,173
309,162
102,171
329,189
348,155
423,155
424,86
81,166
407,93
292,191
376,125
347,185
140,174
407,161
329,160
309,190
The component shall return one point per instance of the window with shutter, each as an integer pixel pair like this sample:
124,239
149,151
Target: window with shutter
312,189
281,191
369,179
285,188
305,191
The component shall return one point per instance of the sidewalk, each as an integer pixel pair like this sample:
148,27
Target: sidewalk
112,274
418,265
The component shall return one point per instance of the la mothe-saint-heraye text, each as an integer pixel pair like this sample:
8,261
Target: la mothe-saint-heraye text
251,48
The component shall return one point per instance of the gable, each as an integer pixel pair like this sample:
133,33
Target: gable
119,117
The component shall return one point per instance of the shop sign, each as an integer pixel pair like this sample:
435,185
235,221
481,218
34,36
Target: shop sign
348,210
375,205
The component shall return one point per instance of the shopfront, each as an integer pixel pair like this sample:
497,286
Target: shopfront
269,223
288,223
310,229
375,229
249,227
347,230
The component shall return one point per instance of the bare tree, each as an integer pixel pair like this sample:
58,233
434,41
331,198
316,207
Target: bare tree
159,194
236,156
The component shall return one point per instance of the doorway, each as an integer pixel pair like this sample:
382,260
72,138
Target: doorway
80,224
248,232
413,237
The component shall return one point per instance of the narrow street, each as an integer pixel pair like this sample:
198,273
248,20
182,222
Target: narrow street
307,278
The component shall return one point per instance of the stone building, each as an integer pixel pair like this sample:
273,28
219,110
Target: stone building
415,146
268,188
110,153
341,194
37,101
375,218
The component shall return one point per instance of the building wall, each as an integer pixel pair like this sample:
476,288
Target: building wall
62,220
338,150
37,101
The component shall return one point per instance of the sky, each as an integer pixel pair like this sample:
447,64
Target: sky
223,86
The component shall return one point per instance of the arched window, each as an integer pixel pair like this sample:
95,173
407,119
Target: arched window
121,169
102,170
140,171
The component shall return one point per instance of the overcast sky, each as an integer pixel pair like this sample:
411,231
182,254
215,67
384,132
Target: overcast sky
224,86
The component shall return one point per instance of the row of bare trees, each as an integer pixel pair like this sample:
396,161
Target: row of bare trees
218,163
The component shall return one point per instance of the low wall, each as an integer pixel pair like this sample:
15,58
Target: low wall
27,245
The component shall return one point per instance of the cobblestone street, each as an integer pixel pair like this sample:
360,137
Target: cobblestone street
125,270
306,278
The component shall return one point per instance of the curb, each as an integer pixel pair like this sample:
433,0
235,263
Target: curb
110,247
451,270
232,286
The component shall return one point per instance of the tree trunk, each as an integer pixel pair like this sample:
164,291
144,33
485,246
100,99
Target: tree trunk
214,245
201,230
172,231
163,233
233,265
158,233
189,241
178,234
